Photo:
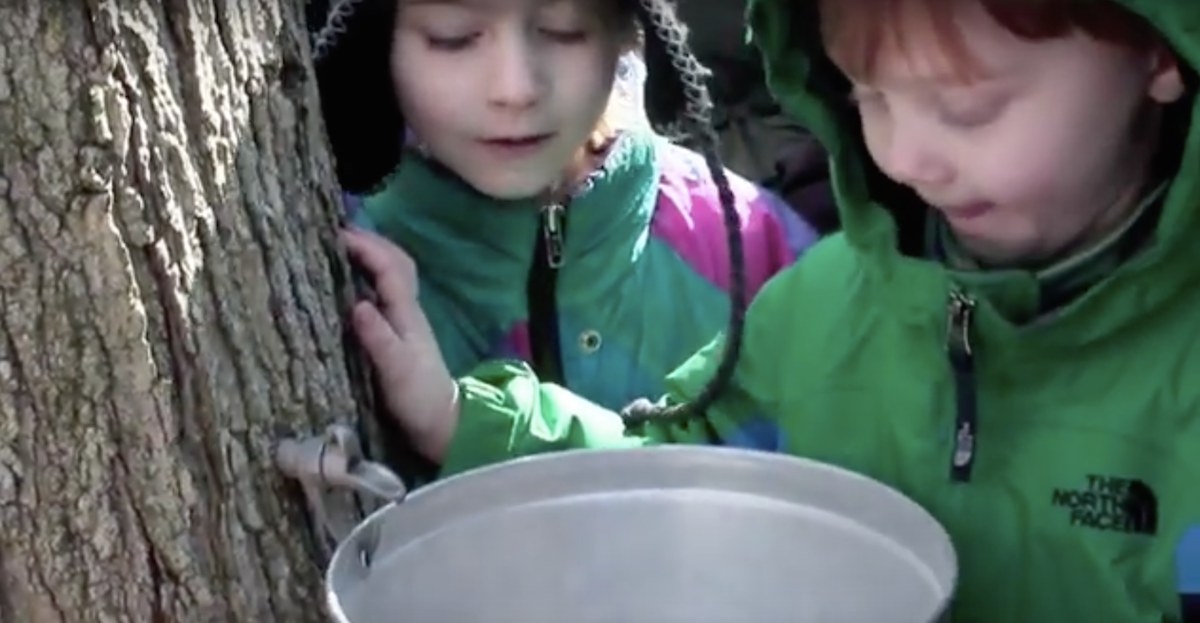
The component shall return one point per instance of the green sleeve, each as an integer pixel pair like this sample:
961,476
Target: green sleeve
506,413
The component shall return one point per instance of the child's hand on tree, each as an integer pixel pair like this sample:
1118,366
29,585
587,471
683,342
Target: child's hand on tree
419,392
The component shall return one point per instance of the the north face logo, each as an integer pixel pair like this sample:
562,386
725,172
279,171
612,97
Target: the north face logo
1111,503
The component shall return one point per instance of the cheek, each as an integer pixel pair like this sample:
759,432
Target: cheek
1061,146
426,101
1019,176
585,81
1032,166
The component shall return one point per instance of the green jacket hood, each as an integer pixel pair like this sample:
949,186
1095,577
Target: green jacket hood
810,88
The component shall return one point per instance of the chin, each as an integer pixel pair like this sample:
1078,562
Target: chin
1005,253
508,188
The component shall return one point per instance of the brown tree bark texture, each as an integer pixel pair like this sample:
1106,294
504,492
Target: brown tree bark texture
168,298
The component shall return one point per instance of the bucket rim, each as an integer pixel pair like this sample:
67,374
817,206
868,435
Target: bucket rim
728,457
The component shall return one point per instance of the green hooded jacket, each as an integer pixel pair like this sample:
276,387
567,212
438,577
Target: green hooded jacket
1056,451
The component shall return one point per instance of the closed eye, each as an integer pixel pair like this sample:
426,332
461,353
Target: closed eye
564,36
975,115
451,44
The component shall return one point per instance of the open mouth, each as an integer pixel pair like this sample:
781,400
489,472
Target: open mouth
517,142
968,211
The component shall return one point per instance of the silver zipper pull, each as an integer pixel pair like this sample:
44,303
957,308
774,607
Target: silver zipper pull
964,446
961,312
552,232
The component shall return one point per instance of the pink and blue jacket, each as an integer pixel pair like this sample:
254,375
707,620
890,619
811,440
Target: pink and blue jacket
605,294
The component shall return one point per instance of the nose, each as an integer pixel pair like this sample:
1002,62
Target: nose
515,80
912,156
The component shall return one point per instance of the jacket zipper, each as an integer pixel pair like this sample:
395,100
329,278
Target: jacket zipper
542,297
960,312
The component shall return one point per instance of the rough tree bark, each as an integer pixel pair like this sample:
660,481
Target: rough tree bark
168,298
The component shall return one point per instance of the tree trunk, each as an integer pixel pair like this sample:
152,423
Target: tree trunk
169,299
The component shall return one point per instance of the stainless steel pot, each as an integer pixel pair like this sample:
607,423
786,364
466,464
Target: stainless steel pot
657,535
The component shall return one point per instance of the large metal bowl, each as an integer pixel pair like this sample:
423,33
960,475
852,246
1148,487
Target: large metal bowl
654,535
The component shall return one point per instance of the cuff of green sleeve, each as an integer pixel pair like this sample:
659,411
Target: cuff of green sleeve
484,432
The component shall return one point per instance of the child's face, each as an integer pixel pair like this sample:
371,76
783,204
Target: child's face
1033,159
504,92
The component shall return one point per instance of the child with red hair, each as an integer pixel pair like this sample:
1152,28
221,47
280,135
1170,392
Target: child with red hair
1004,331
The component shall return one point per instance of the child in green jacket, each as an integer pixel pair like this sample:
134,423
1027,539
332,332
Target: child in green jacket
499,144
1007,329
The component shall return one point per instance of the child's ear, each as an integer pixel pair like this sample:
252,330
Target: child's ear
1166,78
